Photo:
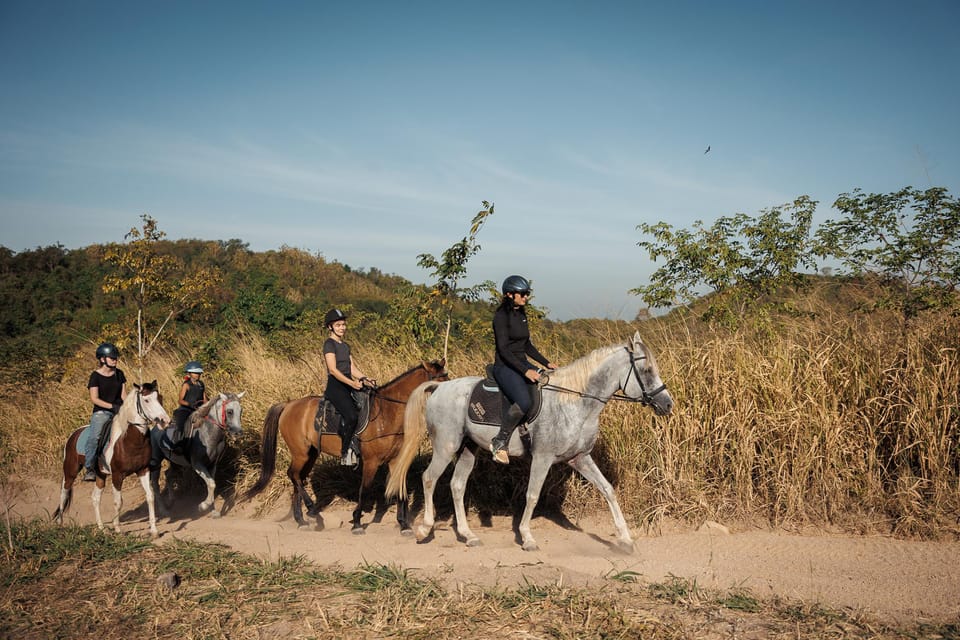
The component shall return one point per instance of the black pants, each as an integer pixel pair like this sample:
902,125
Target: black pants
341,397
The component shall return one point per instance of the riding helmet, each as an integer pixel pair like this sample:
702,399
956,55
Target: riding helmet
515,284
107,350
193,367
333,316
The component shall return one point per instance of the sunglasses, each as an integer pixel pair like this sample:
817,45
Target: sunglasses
525,294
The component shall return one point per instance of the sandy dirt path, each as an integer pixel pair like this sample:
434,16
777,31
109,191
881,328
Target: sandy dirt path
897,580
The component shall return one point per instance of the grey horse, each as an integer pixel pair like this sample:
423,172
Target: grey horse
565,430
205,435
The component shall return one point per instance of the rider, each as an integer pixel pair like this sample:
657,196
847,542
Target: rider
107,388
511,369
343,377
193,394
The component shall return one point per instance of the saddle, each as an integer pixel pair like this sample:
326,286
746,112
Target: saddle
327,420
486,401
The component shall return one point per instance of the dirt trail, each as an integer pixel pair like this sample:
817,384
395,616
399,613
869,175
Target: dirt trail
896,580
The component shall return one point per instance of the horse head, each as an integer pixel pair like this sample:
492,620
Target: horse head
436,369
643,382
222,412
148,407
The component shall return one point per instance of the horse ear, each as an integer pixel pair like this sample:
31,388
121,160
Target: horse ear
137,386
636,339
442,362
223,397
240,395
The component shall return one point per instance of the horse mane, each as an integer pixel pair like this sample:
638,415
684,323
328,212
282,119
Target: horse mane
202,411
576,375
406,373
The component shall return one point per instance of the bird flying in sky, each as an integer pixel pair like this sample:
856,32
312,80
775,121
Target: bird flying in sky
707,151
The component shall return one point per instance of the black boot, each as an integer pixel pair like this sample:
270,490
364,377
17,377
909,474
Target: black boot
509,421
347,456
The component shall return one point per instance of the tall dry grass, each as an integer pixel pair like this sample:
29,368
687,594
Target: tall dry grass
840,421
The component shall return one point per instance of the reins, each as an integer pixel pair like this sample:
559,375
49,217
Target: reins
222,425
645,398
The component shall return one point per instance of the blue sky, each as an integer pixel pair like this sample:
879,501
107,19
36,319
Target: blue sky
370,132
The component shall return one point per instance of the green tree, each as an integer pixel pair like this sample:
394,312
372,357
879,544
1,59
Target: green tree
451,268
910,239
156,284
740,259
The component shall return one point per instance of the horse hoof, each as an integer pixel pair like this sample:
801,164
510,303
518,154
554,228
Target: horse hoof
358,531
215,514
474,542
625,547
302,526
406,533
531,546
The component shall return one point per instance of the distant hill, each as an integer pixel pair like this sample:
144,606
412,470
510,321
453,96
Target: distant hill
53,303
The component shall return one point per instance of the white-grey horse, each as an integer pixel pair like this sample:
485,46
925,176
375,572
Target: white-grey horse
205,440
565,430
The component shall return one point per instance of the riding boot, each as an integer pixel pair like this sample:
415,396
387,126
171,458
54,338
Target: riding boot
498,446
347,456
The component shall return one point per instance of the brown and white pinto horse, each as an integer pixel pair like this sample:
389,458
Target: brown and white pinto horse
127,452
384,440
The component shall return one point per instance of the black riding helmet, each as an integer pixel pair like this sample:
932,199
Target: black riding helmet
108,350
515,284
332,316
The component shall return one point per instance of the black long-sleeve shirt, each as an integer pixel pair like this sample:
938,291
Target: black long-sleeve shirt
512,337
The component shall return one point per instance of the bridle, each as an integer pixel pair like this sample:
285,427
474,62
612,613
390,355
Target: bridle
646,397
431,376
222,425
143,414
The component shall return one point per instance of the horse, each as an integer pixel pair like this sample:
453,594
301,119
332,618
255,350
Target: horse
385,440
127,452
204,443
564,430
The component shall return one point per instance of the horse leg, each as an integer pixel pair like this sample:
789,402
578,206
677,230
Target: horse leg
585,465
438,463
207,477
458,487
367,473
403,506
149,495
117,486
154,476
312,509
95,496
296,499
538,474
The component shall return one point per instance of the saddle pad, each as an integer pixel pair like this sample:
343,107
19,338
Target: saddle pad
484,407
327,420
485,403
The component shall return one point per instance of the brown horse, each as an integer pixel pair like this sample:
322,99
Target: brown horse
384,440
127,452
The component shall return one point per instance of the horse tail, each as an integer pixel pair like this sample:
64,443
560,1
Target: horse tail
268,450
414,426
66,492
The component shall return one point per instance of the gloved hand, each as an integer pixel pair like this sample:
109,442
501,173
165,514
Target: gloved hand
115,407
197,404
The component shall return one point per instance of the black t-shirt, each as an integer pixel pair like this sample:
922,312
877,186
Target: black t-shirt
109,388
341,351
